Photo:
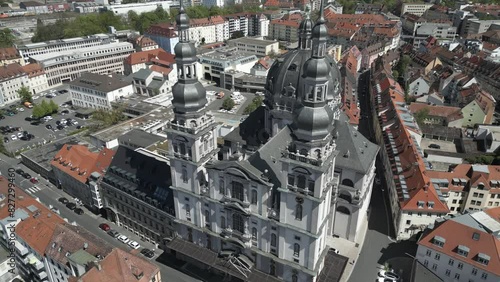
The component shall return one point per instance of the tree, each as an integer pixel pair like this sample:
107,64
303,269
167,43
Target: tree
228,104
105,118
25,94
6,38
395,74
53,107
421,116
256,103
237,34
38,111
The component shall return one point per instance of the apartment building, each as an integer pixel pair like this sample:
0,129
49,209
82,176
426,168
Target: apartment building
147,59
463,248
12,78
210,30
149,83
37,78
414,199
225,59
236,23
480,110
97,91
56,46
139,8
10,55
283,30
417,9
68,65
210,3
164,34
258,25
137,195
258,47
472,26
441,31
78,171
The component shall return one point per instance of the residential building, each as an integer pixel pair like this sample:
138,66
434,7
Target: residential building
241,81
157,58
469,187
34,7
472,26
351,64
68,65
487,137
261,68
139,8
418,85
212,29
440,31
236,23
413,199
10,55
480,110
463,248
225,59
56,46
258,25
365,8
258,47
37,78
122,266
97,91
417,9
163,34
142,43
440,115
283,30
210,3
137,194
12,78
252,210
78,171
147,82
492,51
87,7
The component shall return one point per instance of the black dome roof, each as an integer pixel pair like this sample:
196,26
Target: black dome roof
185,50
189,97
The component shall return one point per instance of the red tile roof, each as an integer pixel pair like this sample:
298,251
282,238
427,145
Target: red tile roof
9,53
33,70
470,176
160,69
294,24
449,113
148,56
120,266
456,234
487,103
78,162
11,70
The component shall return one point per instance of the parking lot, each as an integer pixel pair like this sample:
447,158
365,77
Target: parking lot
41,133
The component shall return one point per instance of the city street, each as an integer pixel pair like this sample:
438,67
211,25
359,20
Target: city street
42,134
49,195
379,247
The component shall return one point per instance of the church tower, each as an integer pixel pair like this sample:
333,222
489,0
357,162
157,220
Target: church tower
191,136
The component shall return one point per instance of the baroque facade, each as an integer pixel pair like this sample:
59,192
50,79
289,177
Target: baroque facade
262,207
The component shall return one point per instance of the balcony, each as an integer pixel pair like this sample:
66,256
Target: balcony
191,129
22,250
42,275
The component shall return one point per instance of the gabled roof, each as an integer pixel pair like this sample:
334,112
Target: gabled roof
78,162
144,57
33,70
446,112
9,53
11,70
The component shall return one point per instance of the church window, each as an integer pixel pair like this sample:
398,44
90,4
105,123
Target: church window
182,148
184,175
298,211
207,218
254,234
222,189
222,222
273,240
319,93
301,181
296,250
272,268
291,180
254,197
238,223
237,191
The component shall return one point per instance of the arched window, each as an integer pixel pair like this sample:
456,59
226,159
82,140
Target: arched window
301,181
207,218
272,268
238,223
222,189
254,234
184,175
347,182
254,197
273,240
182,148
298,211
343,210
346,196
296,250
222,222
295,277
237,191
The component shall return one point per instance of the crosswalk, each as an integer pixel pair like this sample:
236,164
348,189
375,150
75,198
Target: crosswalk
33,189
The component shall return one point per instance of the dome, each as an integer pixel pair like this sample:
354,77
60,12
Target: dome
182,19
289,71
185,50
320,30
189,97
311,123
306,25
318,68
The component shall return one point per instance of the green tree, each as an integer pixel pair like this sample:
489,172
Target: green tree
228,104
395,74
237,34
53,107
421,116
25,94
256,103
38,111
106,118
6,38
46,108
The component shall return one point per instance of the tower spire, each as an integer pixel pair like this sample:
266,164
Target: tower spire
319,35
189,95
305,29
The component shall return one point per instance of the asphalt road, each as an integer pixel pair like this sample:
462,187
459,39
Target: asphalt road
49,195
379,247
42,134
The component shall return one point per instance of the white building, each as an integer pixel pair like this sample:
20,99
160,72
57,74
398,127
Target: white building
208,30
139,8
225,59
56,46
258,25
68,65
464,248
258,47
36,77
210,3
236,23
12,78
417,9
147,82
97,91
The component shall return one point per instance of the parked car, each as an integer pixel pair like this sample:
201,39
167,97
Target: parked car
13,137
114,233
48,126
63,200
134,245
19,135
27,175
6,140
388,275
335,250
124,239
434,146
54,209
79,211
34,180
19,171
383,279
71,206
104,227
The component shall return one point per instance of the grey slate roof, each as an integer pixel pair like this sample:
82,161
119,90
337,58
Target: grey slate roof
99,82
361,151
140,138
250,132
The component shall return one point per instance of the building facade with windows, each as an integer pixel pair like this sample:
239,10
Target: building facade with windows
263,205
36,77
12,78
257,47
65,66
463,248
97,91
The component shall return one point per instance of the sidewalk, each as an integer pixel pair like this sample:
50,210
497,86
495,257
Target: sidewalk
349,249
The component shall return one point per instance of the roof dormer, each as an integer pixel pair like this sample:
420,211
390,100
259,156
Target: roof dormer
438,241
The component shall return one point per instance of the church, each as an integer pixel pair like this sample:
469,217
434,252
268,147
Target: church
294,173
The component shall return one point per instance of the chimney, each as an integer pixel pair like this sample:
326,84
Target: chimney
98,265
85,245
